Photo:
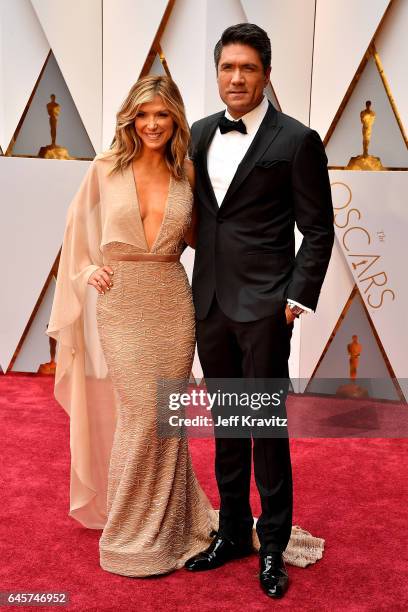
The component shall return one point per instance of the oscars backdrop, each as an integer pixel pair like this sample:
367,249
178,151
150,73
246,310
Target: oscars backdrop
337,66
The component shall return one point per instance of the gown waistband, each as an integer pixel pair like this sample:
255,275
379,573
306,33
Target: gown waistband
142,257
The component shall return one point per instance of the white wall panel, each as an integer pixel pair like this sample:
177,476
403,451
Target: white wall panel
129,29
334,369
386,139
392,46
184,46
317,327
220,15
24,49
342,35
74,32
35,195
289,25
36,346
374,241
35,131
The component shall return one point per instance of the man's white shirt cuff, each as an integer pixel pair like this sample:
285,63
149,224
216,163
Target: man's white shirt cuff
305,308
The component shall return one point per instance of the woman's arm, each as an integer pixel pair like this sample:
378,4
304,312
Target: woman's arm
191,234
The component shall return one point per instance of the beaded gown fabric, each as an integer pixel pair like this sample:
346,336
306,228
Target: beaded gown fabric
158,515
137,486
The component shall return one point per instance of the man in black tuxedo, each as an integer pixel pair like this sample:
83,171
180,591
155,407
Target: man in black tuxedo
258,171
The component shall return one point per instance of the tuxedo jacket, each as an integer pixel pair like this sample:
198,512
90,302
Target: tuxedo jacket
245,251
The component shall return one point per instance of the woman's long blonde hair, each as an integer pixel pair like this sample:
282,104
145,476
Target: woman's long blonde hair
126,144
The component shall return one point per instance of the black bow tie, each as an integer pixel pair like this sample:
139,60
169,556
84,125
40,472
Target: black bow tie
226,125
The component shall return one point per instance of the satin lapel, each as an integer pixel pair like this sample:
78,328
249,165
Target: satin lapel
267,132
202,149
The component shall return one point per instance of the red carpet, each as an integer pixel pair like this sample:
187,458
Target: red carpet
352,492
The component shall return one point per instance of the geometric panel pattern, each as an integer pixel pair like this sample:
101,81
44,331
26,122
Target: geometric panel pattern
334,367
219,16
342,35
387,142
186,30
319,49
34,130
292,54
35,349
74,33
23,51
32,220
129,29
316,329
371,220
392,46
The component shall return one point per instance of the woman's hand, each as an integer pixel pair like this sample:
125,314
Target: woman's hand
101,279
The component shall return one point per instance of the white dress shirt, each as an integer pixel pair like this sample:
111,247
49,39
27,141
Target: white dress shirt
226,152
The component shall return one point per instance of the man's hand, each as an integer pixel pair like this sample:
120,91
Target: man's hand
101,279
290,317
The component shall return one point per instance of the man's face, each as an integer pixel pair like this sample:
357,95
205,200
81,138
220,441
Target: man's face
241,78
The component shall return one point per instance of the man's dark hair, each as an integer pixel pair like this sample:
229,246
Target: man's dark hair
246,34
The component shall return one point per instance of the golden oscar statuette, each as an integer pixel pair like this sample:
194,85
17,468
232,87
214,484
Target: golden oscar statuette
354,349
53,150
366,161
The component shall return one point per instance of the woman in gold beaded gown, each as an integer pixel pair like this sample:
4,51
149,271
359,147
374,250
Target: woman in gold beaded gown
126,229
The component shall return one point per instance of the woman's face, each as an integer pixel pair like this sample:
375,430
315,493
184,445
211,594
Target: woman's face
154,124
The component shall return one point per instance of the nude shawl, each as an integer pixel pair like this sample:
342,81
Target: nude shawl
82,385
103,210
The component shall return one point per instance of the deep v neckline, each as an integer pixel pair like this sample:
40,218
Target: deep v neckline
139,215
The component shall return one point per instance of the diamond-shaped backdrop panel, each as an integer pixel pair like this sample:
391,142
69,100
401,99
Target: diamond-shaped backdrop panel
35,131
371,218
35,197
392,45
386,139
220,15
129,29
342,35
372,372
184,38
316,329
23,51
74,32
35,349
290,27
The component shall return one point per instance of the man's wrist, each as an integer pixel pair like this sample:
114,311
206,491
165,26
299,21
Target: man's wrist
304,309
295,309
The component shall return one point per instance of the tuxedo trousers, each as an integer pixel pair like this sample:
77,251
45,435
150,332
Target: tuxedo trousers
257,350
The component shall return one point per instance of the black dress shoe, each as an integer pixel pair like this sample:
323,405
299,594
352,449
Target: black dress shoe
219,552
273,575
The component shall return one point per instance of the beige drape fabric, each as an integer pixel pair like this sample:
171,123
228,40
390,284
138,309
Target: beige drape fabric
82,384
102,211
